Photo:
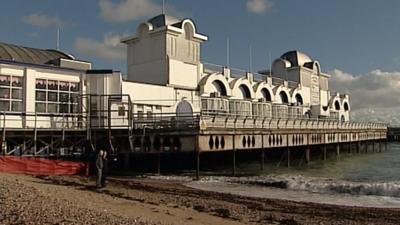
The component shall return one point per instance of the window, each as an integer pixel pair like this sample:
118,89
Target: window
53,96
40,95
121,110
11,93
17,94
4,80
4,92
4,105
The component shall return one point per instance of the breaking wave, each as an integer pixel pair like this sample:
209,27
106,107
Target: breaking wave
316,185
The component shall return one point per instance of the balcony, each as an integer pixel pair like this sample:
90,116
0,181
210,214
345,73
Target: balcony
241,107
262,109
280,111
214,106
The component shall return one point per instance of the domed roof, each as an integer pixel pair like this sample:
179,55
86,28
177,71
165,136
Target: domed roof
163,20
21,54
296,58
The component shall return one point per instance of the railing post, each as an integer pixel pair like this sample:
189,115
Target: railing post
3,143
35,135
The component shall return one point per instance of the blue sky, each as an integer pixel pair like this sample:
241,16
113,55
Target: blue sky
356,41
355,36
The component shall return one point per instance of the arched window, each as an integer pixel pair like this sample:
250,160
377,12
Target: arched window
184,109
299,100
346,106
337,105
284,97
245,91
219,87
266,95
189,31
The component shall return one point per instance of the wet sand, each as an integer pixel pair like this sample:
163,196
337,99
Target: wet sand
26,199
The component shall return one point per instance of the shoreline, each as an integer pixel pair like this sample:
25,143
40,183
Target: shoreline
152,201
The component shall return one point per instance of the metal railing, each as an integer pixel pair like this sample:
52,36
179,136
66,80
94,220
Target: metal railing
212,68
293,84
277,81
28,120
238,122
116,111
259,77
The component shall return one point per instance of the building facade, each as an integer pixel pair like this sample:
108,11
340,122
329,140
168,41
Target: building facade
164,58
49,88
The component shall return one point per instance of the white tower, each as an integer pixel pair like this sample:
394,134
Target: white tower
165,51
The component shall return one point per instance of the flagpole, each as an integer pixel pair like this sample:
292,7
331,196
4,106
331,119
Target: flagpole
227,52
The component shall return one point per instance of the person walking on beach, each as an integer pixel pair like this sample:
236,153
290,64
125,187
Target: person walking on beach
99,168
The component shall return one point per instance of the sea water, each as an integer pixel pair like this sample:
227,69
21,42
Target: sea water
367,179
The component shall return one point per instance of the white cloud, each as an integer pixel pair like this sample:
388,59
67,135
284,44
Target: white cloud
109,48
128,10
44,21
259,6
374,96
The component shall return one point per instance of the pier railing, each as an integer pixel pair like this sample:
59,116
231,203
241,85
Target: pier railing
34,120
240,122
210,120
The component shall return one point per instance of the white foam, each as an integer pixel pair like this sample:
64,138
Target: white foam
299,196
299,188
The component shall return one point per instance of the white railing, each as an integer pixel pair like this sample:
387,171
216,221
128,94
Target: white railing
238,122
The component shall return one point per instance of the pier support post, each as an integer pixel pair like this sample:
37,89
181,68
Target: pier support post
158,163
337,151
262,159
358,145
386,145
324,147
197,157
308,155
288,157
233,162
373,146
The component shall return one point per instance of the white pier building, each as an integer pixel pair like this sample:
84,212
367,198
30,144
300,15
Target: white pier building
169,100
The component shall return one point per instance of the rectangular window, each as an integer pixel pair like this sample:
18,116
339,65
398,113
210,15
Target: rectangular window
40,107
40,95
52,107
52,85
17,94
64,108
74,98
64,86
16,81
4,105
41,84
121,110
4,92
54,96
75,87
64,97
4,80
16,106
11,93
